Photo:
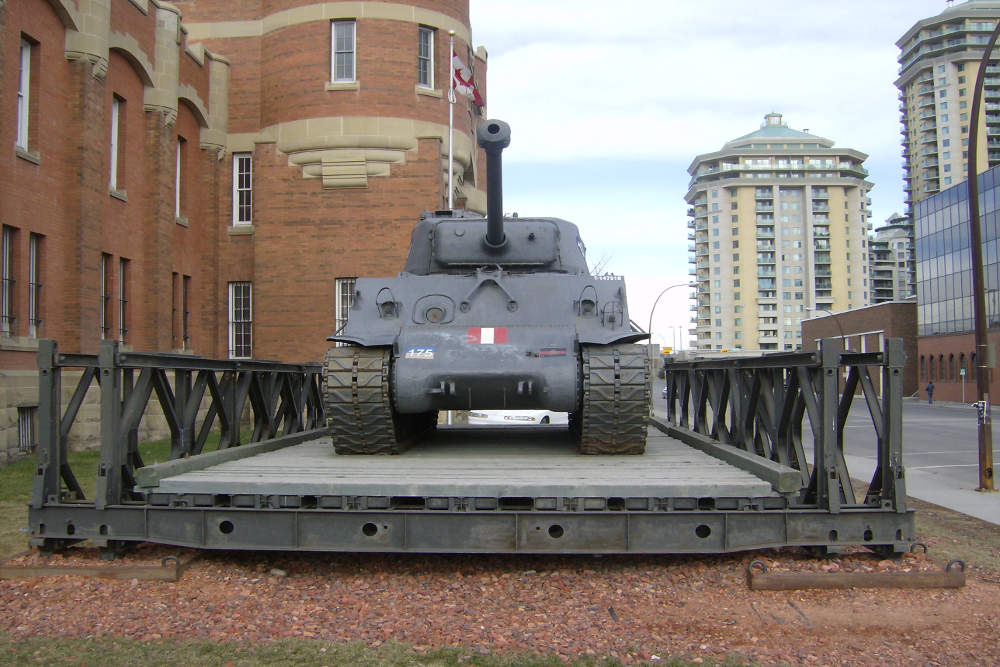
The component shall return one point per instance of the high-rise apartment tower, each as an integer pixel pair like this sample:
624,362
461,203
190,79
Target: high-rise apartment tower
779,222
892,260
938,63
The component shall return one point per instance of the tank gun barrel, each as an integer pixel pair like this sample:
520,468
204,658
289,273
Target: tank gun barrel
494,136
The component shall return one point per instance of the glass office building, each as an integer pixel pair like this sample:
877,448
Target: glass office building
944,260
945,318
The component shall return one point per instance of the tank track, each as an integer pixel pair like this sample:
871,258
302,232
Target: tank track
615,403
359,412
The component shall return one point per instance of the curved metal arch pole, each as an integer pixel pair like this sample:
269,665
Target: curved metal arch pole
978,283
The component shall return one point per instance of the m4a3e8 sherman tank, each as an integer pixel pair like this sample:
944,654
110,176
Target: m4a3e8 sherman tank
488,313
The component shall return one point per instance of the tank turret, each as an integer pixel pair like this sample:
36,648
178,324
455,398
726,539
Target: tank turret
488,313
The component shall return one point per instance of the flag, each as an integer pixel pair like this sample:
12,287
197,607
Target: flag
486,336
463,81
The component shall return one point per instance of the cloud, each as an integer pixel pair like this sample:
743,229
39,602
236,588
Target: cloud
610,103
585,81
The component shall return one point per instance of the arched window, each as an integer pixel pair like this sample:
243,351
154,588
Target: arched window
961,364
923,367
951,367
930,369
942,369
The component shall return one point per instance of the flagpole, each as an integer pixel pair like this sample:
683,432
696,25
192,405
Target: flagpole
451,115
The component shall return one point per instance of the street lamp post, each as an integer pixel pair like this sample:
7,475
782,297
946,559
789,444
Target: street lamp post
652,310
843,338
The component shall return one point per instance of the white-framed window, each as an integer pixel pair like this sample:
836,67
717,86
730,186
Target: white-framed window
116,109
174,308
122,299
7,280
23,96
105,295
242,189
343,56
425,57
27,423
240,320
343,301
34,285
177,176
185,312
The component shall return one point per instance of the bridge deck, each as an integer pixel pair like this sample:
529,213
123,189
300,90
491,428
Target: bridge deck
479,462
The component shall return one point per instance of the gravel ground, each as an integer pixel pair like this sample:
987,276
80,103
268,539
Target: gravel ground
629,608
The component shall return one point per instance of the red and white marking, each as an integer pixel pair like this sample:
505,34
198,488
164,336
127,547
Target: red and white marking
486,336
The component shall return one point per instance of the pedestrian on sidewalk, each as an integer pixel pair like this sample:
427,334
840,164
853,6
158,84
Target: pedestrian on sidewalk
930,391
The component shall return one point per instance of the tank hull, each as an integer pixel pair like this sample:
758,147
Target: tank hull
462,368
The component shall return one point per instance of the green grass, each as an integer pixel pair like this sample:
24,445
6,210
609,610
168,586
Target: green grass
17,478
107,651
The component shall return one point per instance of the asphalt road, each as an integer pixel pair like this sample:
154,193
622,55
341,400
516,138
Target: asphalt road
941,439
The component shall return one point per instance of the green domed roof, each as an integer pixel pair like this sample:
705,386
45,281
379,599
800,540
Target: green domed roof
774,128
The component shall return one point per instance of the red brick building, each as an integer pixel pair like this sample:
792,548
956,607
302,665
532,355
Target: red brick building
205,175
865,330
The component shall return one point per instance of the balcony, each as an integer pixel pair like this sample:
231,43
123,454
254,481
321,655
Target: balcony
817,193
765,232
764,207
820,207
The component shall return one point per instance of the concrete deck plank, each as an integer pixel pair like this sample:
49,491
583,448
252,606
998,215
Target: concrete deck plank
534,462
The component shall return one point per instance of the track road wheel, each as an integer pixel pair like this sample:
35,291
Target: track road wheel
612,418
359,412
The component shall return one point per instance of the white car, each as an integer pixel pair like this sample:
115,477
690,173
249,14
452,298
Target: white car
517,417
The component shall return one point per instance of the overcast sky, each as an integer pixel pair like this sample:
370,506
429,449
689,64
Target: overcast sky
608,108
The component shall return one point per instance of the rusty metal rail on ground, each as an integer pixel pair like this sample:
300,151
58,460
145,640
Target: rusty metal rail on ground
761,579
170,569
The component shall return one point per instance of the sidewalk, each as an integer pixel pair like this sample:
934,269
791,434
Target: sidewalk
923,486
